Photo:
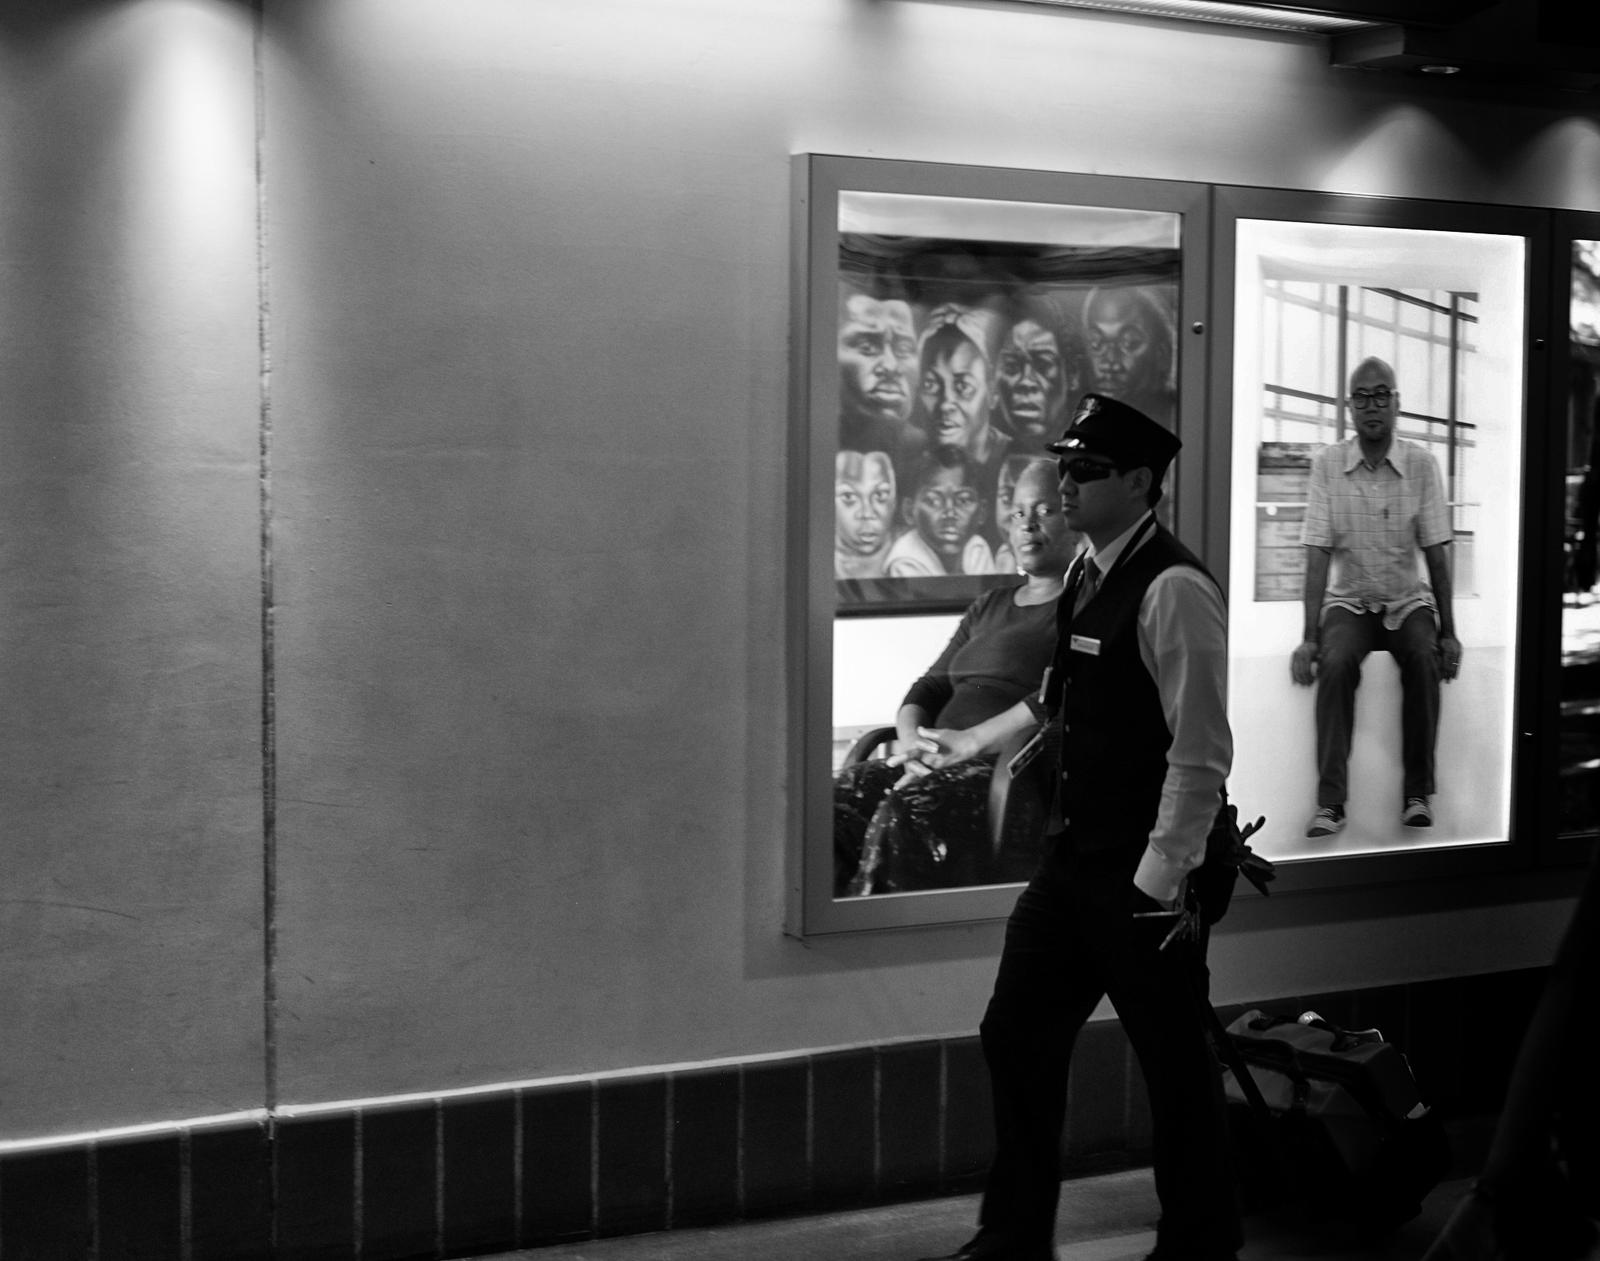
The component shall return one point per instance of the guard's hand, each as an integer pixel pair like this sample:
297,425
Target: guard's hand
1449,657
1303,664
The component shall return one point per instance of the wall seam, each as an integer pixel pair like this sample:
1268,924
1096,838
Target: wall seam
269,767
269,717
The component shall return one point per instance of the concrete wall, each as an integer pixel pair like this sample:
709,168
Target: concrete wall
130,647
523,281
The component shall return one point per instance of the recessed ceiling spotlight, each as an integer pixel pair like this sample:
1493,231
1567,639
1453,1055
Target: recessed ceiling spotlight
1440,68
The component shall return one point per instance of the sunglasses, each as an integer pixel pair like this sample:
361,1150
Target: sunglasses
1082,468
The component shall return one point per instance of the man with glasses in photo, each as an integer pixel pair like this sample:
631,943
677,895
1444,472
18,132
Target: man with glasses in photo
1138,681
1374,502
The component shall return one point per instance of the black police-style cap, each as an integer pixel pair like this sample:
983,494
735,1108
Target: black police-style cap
1106,426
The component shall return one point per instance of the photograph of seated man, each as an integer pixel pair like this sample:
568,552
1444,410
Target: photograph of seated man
945,509
906,828
863,513
1375,504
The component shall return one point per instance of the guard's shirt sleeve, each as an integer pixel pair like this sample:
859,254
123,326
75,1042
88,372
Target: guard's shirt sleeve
1183,641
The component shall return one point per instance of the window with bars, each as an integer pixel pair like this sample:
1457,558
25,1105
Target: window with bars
1313,334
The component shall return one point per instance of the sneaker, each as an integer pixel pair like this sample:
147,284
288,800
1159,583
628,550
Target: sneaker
1418,813
1326,821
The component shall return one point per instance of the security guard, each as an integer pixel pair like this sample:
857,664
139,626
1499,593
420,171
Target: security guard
1139,683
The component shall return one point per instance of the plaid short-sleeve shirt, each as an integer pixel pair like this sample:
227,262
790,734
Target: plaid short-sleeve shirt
1376,521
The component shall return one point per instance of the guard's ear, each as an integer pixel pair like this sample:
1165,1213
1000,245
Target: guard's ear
1138,481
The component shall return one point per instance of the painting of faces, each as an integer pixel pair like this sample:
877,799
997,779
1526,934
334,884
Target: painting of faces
959,360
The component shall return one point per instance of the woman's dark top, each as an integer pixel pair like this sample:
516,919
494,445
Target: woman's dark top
996,657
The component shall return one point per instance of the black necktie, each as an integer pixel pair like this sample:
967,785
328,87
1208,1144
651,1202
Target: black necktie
1088,585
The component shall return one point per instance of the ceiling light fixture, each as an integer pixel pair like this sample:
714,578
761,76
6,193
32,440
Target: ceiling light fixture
1258,18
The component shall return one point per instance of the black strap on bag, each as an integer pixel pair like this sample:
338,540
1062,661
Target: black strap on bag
1235,1062
1269,1173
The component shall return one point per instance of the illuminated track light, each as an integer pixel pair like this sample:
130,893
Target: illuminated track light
1227,14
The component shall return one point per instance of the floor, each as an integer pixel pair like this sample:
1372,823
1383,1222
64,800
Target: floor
1107,1218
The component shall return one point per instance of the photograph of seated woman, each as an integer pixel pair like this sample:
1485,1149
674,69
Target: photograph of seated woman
903,828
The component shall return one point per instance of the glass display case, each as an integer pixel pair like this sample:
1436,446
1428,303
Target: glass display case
1353,380
1377,395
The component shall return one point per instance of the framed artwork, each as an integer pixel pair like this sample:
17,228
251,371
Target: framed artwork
947,319
1377,454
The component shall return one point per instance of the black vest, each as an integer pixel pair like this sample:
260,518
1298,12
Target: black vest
1114,746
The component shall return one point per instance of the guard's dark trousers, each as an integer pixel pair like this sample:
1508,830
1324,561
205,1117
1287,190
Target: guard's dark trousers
1071,940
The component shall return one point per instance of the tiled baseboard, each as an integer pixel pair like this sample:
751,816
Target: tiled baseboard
488,1172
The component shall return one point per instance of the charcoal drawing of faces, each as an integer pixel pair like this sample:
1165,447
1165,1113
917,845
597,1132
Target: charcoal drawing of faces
1130,350
877,357
956,388
863,503
944,506
1032,382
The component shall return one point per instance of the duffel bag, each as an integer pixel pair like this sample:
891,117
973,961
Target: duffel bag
1337,1120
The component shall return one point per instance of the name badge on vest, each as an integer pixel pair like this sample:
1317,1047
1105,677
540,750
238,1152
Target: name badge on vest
1082,643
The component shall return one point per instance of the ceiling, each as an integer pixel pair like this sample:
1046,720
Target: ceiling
1544,44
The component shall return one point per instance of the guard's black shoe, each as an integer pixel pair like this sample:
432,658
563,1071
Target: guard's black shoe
988,1246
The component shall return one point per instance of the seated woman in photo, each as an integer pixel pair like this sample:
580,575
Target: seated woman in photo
902,827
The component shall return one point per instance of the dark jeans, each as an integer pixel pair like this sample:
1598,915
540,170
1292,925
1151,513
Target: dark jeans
1072,939
1347,638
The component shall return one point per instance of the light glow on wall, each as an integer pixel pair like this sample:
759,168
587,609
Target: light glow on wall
1565,156
1404,140
185,151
